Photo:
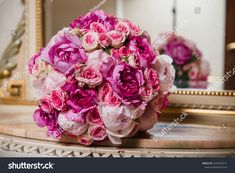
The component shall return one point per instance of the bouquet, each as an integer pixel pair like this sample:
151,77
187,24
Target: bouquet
100,79
191,69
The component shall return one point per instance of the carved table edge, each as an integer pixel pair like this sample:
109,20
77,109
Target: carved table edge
57,149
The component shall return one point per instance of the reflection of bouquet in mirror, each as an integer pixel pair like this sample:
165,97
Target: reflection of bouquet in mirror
100,79
192,70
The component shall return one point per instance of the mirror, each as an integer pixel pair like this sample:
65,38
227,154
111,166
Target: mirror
197,34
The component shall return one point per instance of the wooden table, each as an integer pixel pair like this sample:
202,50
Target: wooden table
19,134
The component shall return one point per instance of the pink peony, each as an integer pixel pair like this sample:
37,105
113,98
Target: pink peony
166,72
97,58
82,100
33,61
63,51
74,127
125,80
97,132
58,99
52,82
43,119
179,50
142,50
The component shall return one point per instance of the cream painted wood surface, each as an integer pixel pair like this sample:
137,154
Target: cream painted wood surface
182,136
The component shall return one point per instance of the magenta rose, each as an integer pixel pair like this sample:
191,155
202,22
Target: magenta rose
97,132
84,22
152,79
64,50
93,117
107,96
43,119
142,50
40,117
88,75
125,80
82,99
58,99
45,104
179,50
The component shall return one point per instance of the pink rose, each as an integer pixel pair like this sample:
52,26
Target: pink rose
45,104
96,58
93,117
106,95
104,40
166,72
58,99
151,77
76,128
90,41
85,140
88,75
98,28
97,133
117,38
122,27
147,93
134,29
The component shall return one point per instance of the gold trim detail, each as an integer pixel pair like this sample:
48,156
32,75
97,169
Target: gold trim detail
39,31
205,93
